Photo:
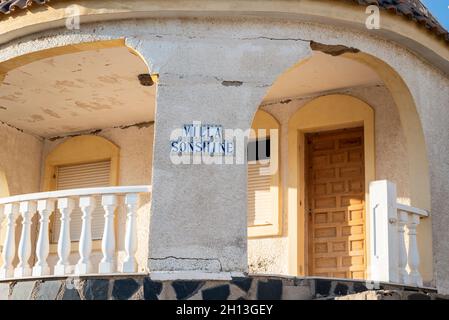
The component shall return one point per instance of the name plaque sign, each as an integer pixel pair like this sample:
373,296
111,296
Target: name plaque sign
207,139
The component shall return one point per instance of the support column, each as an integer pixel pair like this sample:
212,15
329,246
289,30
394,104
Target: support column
384,251
45,208
27,210
11,212
198,215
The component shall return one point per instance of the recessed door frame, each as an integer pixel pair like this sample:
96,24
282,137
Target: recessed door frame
325,113
307,184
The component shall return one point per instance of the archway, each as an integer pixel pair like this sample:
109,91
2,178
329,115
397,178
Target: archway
373,82
70,109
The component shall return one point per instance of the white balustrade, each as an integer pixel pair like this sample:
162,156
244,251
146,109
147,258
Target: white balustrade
415,278
45,208
65,207
11,211
131,201
394,254
65,201
27,210
87,205
107,264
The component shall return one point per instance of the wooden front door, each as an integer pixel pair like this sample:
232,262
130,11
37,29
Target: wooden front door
336,203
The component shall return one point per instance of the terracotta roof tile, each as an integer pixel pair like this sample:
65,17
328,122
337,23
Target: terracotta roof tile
7,6
412,9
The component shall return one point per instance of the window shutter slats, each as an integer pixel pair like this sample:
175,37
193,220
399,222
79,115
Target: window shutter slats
260,196
87,175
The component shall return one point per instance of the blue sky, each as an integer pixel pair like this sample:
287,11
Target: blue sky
440,9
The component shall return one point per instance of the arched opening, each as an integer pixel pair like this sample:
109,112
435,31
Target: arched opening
75,117
334,95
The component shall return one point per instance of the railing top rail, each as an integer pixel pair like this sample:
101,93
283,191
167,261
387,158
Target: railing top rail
75,193
410,209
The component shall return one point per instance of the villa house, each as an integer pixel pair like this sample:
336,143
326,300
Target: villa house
127,154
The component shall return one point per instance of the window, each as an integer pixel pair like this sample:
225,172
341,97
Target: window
263,183
81,162
258,149
87,175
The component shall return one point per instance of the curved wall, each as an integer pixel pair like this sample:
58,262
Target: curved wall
198,57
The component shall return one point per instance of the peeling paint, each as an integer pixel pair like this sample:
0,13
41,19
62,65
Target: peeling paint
139,125
286,101
51,113
231,83
92,106
333,50
36,118
107,79
66,83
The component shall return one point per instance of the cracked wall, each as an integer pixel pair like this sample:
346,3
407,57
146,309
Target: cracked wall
190,55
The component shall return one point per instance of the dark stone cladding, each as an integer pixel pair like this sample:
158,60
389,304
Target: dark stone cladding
255,287
413,10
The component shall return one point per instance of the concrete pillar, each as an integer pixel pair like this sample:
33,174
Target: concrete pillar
198,216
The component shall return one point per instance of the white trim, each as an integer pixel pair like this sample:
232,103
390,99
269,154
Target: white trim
76,193
410,209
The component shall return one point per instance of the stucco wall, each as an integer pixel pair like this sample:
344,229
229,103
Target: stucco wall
270,255
20,161
253,52
22,171
136,152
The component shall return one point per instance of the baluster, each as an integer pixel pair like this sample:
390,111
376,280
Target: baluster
27,210
402,250
11,211
65,206
107,264
131,201
87,205
413,252
45,208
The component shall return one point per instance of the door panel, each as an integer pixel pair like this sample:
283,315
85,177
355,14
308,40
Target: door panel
336,203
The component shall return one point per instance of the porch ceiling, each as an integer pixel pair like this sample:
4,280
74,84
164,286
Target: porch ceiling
321,73
77,92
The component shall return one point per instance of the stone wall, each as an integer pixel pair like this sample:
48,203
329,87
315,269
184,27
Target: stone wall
141,287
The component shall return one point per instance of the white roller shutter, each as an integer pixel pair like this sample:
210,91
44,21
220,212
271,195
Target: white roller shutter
260,196
87,175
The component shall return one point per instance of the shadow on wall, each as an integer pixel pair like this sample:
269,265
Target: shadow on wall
4,190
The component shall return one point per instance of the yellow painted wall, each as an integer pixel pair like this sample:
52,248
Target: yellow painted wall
417,153
4,192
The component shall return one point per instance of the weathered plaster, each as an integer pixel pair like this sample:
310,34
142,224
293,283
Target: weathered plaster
22,170
211,225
